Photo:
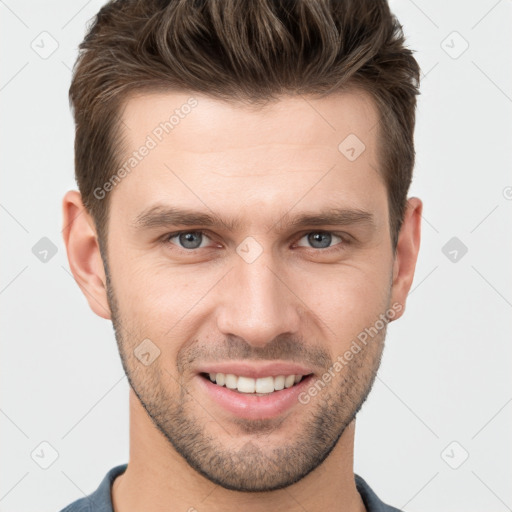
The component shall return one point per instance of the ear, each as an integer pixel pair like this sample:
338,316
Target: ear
83,252
407,249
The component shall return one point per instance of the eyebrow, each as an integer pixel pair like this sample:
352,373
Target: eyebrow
165,216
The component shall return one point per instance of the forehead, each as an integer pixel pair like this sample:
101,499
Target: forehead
217,125
192,150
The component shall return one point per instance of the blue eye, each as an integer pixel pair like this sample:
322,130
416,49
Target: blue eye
320,240
323,238
188,239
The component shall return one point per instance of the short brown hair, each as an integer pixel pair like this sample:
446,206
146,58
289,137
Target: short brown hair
250,51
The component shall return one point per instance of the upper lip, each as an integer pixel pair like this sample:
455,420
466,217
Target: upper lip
255,371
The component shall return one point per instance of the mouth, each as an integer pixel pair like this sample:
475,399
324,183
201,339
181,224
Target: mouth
255,393
261,386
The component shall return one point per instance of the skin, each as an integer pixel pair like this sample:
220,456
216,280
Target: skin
301,300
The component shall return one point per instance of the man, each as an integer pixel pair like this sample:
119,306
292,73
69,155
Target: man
243,221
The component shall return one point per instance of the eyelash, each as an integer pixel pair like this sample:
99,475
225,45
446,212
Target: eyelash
345,240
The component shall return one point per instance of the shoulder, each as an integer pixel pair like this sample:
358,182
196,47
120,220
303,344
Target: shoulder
371,501
100,500
80,505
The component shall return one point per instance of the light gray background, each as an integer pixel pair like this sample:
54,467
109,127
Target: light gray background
445,375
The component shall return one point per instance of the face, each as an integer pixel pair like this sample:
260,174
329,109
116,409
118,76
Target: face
245,243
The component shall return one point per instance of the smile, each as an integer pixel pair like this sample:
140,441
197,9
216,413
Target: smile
258,386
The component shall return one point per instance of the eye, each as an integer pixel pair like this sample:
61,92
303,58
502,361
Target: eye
322,239
190,240
187,240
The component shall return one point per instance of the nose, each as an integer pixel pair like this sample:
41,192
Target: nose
257,303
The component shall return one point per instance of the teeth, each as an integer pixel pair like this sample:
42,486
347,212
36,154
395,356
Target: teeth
231,381
264,385
289,381
246,385
279,382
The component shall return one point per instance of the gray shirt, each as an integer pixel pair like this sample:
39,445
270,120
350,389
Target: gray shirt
100,500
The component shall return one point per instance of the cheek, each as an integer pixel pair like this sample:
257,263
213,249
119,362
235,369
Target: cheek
349,300
162,300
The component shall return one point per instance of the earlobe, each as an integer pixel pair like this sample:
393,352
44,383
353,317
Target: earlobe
407,250
83,253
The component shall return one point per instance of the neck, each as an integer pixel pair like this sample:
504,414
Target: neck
158,478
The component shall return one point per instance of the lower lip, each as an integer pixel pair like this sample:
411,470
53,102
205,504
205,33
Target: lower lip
253,407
